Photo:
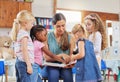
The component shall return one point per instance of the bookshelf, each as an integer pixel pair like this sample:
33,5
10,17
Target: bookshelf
46,22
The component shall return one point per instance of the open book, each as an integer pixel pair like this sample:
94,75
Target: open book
57,64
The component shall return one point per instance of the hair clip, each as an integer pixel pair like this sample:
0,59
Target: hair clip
16,20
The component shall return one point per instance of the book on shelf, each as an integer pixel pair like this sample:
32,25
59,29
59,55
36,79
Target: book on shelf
58,64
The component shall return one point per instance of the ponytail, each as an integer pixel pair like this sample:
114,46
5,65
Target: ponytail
15,29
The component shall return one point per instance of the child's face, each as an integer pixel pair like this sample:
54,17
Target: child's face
41,36
89,25
78,34
30,24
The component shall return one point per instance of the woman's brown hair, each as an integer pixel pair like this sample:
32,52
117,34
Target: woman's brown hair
64,42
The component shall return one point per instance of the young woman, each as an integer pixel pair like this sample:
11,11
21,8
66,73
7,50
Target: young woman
59,41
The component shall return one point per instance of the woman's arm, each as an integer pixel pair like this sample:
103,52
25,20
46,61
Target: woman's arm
24,49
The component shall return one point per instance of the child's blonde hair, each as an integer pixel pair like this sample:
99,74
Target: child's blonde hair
78,27
98,27
22,16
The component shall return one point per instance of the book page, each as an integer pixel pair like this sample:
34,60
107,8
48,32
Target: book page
57,64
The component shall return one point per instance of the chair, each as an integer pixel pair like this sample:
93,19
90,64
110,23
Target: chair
109,70
103,68
2,69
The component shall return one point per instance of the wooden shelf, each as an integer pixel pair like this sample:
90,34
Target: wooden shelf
9,10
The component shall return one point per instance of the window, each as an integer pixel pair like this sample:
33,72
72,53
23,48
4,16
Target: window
72,18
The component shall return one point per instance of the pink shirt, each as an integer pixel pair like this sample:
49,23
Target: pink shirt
38,53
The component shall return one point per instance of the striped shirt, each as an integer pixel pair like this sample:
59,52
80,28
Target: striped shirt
30,46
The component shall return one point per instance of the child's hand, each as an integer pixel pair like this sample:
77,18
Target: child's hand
72,58
29,69
66,58
69,66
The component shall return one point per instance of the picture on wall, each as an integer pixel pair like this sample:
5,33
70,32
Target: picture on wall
46,22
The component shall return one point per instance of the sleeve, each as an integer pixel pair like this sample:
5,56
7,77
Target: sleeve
22,34
38,44
97,43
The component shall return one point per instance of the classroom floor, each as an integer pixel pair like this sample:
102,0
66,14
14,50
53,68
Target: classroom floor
13,79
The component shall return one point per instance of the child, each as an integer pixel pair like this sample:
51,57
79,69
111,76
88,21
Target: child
87,69
39,35
97,34
24,48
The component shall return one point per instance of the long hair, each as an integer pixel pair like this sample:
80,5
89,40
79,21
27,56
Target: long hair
21,17
64,42
98,27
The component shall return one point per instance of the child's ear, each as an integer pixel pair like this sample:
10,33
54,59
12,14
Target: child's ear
37,34
24,23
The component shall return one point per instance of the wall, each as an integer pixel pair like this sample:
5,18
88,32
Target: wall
112,6
42,8
4,31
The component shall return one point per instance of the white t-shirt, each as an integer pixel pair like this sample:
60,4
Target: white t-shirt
97,42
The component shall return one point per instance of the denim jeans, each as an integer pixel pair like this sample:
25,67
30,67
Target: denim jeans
54,73
44,71
21,72
35,76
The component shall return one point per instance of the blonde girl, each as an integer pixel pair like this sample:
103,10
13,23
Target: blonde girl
24,48
87,69
96,33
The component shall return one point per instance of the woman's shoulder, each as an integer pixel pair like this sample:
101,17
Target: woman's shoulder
50,33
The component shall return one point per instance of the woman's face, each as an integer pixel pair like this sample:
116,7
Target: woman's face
60,27
89,25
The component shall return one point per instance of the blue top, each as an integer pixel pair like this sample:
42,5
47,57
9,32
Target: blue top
53,45
87,69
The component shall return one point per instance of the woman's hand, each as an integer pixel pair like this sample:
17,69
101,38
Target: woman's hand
66,58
